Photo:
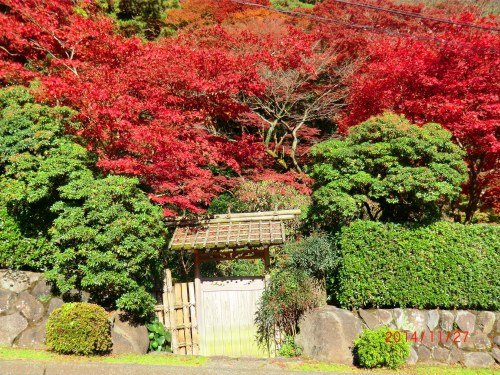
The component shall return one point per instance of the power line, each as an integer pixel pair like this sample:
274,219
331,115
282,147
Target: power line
409,14
364,27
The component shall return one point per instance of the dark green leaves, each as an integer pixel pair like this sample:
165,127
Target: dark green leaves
159,338
386,168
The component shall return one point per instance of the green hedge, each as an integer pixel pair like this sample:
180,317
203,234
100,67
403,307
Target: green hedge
446,265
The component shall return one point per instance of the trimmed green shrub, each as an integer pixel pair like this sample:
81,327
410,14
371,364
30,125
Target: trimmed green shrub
374,349
79,328
445,265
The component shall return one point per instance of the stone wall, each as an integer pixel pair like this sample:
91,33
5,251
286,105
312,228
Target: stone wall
26,302
471,338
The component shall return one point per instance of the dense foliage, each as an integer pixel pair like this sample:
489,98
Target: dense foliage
100,235
315,254
36,159
242,91
109,238
214,105
386,168
373,350
449,84
444,265
79,328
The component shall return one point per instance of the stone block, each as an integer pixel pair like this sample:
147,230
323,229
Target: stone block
447,319
424,354
433,319
441,355
496,340
127,336
429,339
413,320
327,333
413,357
481,341
385,316
465,341
7,301
370,318
466,321
34,337
399,317
42,289
17,281
10,327
375,318
456,356
54,303
29,306
485,321
478,360
495,353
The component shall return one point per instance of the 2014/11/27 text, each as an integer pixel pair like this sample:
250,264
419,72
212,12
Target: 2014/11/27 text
438,336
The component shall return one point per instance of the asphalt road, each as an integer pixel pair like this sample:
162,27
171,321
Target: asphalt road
28,367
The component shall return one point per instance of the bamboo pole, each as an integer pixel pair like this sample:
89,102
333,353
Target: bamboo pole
185,315
194,322
179,317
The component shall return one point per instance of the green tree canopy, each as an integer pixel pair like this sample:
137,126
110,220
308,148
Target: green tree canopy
97,234
386,168
109,238
36,158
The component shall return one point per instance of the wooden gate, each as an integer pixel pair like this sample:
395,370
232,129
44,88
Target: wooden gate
216,319
227,316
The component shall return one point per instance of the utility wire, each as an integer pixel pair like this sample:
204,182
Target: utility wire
364,27
409,14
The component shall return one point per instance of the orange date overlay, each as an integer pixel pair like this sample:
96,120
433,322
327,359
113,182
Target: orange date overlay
438,336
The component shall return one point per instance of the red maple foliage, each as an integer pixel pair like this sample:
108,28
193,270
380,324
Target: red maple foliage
193,114
453,82
147,109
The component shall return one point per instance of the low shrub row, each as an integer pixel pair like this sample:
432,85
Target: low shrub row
446,265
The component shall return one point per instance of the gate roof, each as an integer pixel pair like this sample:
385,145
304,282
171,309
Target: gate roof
231,231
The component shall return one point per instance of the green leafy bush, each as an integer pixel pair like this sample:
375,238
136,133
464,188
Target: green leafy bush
109,238
36,158
316,254
445,265
289,349
17,249
373,350
159,338
79,328
388,169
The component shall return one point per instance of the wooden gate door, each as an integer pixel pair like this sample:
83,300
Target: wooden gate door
228,309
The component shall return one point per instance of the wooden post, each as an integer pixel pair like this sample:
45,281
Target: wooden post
267,260
169,308
187,324
179,318
197,291
194,322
